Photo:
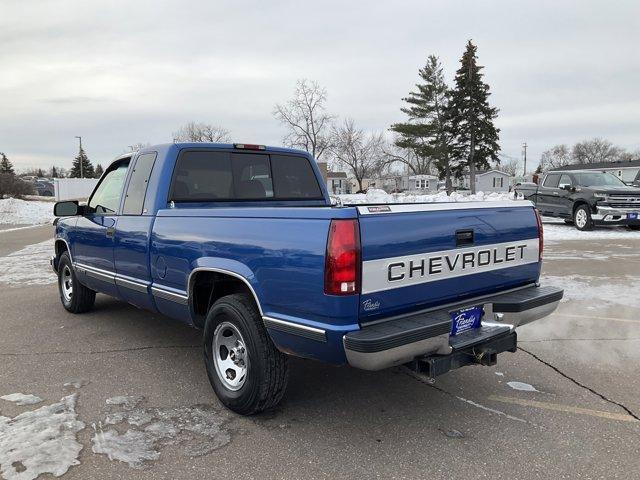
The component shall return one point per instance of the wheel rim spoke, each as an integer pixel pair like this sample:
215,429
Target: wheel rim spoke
230,356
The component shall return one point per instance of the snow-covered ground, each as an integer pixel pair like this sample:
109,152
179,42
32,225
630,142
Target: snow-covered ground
14,211
380,196
40,441
28,266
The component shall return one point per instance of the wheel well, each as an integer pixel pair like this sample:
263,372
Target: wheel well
579,203
207,287
60,247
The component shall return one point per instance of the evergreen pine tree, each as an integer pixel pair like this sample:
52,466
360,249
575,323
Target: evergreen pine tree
53,172
476,137
99,171
87,167
5,165
426,132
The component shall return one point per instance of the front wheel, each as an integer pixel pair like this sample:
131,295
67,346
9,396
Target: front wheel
582,218
75,297
247,372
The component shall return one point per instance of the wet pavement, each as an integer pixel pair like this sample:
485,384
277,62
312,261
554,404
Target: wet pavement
566,405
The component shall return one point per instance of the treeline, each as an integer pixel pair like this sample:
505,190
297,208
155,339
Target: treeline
596,150
449,130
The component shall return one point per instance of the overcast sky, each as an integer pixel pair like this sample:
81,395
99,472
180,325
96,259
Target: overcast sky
122,72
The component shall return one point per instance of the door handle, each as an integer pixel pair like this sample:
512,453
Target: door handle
111,232
556,193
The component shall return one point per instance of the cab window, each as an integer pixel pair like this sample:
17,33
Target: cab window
565,181
551,180
105,199
137,189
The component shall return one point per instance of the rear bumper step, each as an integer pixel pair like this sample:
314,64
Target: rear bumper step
402,339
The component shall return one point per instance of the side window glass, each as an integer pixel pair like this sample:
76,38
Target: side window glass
105,199
137,189
565,181
551,180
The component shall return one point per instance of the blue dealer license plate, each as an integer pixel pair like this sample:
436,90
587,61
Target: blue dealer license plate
466,319
632,216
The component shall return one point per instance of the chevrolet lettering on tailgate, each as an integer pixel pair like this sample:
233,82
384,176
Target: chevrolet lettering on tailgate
398,272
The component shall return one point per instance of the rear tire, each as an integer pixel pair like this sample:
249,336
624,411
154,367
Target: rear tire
75,297
582,218
247,372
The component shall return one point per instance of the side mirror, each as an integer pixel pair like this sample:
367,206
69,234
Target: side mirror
66,209
568,188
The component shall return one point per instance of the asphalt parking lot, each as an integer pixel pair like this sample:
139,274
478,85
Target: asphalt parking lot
566,405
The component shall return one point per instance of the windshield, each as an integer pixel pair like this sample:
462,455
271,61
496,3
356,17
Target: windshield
598,179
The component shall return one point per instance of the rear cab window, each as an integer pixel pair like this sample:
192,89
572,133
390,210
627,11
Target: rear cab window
208,175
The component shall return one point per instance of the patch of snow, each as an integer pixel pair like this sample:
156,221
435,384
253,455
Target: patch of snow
521,386
554,232
500,374
127,401
77,384
40,441
598,290
14,211
21,399
200,430
133,447
29,266
380,196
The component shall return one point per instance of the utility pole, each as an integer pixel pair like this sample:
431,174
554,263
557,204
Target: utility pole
524,153
80,155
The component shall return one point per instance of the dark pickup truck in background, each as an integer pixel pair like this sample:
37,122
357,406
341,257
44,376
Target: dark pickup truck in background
585,199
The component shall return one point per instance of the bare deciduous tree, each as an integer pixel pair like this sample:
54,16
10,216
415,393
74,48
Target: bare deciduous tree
555,157
201,133
137,146
596,150
409,157
361,153
512,166
305,116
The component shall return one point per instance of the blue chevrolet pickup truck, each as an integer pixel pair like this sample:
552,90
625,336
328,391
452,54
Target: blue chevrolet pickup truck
243,242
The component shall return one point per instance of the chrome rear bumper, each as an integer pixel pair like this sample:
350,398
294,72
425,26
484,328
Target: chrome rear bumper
401,339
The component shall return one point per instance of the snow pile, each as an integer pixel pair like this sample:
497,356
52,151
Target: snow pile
40,441
380,196
29,266
14,211
21,399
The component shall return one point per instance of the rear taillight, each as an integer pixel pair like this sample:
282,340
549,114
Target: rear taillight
540,234
342,264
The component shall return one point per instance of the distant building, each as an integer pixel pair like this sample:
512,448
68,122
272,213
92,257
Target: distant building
337,183
487,181
626,171
422,183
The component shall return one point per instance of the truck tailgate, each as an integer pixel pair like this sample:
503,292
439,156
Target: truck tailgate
427,255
